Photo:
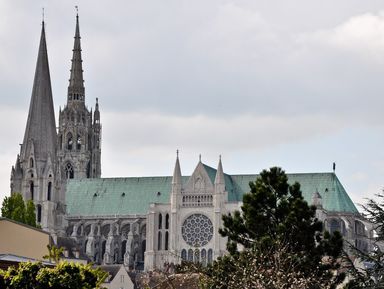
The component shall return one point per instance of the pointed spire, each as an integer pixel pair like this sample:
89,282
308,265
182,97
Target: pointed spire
96,115
76,82
40,130
177,172
219,174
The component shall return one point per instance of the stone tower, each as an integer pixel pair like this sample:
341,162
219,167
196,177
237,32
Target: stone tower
79,136
36,173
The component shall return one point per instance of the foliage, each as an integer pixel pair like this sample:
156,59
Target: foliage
54,253
367,268
279,233
64,275
275,268
16,209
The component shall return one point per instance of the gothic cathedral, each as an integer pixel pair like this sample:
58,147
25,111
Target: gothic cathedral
141,222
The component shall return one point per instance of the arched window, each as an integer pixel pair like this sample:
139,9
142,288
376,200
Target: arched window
31,163
334,225
85,246
49,191
210,256
359,228
103,246
204,257
38,213
31,189
69,172
166,240
123,249
160,221
69,141
190,255
159,237
197,256
143,248
184,255
78,142
167,221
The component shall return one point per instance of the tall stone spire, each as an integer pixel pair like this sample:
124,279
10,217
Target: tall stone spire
40,130
76,82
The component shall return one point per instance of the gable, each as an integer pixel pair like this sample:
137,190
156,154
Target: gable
201,180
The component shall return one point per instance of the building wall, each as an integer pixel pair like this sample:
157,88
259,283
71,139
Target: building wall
22,240
120,281
110,240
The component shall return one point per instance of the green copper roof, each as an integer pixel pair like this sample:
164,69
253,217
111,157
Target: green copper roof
333,194
116,196
129,196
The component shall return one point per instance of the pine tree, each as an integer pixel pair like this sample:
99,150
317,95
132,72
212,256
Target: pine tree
275,220
370,271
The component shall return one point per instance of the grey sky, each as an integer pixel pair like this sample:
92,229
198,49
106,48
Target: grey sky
291,83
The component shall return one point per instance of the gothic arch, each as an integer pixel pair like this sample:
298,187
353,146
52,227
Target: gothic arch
69,171
69,141
49,191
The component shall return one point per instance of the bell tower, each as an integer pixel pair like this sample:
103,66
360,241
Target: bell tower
36,174
79,133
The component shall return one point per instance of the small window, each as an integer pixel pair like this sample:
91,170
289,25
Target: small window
167,221
160,221
69,141
39,213
159,245
69,172
204,257
31,189
31,163
166,240
78,142
334,226
184,255
210,256
49,191
190,255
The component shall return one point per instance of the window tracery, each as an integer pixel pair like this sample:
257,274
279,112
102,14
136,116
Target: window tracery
197,230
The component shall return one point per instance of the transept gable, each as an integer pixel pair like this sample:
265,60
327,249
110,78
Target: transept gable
200,181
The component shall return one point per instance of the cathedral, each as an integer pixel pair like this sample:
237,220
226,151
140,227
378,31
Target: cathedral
144,223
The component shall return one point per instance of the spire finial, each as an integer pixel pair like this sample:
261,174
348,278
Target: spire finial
220,157
77,11
199,157
42,14
177,153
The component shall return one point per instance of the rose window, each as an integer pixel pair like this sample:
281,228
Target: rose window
197,230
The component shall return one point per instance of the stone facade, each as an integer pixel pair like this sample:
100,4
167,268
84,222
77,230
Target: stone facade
48,158
78,137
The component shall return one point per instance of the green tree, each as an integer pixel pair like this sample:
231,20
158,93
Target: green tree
54,253
370,270
15,208
64,275
276,220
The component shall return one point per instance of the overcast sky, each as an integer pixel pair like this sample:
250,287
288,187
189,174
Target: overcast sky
298,84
